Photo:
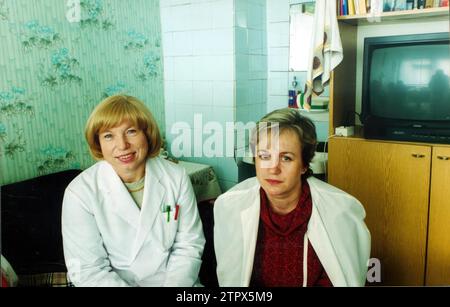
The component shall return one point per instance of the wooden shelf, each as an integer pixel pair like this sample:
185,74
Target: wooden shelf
387,17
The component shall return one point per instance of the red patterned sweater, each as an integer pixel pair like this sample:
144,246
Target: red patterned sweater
279,248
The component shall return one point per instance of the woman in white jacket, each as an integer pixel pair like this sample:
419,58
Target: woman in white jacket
131,219
284,227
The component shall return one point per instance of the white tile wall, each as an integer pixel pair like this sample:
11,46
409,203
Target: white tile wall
255,41
241,18
277,10
213,67
278,59
257,67
277,102
223,66
168,68
241,40
206,111
169,91
182,43
167,43
256,15
242,92
202,93
278,34
223,93
278,82
201,17
182,68
222,41
221,12
215,61
182,93
198,46
183,113
251,63
257,95
242,67
180,18
223,115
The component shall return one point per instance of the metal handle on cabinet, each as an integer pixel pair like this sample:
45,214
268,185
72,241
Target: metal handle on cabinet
443,158
418,155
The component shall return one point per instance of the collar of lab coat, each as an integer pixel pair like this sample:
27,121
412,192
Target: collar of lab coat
123,204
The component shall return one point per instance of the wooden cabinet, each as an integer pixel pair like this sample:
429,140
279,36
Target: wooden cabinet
438,255
405,190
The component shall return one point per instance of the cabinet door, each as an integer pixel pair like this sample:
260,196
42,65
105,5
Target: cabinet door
438,252
392,182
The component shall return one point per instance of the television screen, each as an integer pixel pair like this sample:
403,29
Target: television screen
406,87
410,81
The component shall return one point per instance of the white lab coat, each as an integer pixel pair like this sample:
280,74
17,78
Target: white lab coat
336,230
108,241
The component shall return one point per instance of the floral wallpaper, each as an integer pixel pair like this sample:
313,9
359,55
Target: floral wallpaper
54,70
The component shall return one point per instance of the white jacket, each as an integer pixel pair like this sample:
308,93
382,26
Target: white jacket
336,231
108,241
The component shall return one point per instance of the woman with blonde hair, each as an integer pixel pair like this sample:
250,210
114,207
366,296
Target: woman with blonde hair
284,227
131,219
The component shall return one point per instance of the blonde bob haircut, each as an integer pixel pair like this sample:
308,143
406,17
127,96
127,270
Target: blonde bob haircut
112,112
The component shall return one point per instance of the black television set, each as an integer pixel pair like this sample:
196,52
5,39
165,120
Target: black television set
406,88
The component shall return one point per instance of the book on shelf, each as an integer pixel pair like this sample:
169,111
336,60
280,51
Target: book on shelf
344,7
360,7
429,4
374,7
354,7
351,7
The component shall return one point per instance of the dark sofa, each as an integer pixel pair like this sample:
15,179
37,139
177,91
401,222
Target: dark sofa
31,228
31,237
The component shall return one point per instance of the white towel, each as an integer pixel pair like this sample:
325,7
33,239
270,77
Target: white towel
327,49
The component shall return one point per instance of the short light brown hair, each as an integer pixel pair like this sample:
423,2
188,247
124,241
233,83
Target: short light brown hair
290,119
114,110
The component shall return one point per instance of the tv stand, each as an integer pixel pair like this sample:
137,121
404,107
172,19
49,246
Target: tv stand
403,186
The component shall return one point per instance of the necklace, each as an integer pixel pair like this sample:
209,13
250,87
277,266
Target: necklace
135,190
136,186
